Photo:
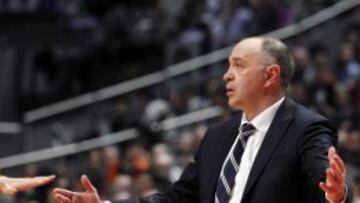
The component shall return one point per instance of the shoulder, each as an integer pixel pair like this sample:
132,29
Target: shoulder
309,122
306,115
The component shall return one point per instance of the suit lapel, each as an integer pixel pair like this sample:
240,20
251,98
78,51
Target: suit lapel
224,142
273,137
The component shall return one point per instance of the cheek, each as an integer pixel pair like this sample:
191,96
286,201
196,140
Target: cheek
256,78
250,82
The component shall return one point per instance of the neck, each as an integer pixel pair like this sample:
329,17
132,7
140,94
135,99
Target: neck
256,108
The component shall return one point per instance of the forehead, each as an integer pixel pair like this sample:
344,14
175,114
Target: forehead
247,47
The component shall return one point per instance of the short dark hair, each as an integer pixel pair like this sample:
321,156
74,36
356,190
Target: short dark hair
278,52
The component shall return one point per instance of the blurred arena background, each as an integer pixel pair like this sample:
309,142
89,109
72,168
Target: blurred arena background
123,90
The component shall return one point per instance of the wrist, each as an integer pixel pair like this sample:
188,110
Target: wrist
341,197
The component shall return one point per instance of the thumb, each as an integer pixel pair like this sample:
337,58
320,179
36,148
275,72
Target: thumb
88,186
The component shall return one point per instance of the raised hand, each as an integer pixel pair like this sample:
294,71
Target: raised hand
89,196
10,186
334,186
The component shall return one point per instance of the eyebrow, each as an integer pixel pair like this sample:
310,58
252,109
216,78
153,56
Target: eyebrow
236,59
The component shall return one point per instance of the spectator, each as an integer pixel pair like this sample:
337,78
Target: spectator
356,189
348,65
122,187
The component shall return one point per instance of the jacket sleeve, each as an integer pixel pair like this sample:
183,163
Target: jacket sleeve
313,149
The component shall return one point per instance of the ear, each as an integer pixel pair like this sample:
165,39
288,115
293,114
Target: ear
272,75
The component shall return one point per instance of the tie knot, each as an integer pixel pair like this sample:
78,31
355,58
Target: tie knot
247,129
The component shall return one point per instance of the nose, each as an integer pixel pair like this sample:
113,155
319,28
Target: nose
228,75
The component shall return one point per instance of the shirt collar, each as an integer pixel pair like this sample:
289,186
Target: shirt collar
263,120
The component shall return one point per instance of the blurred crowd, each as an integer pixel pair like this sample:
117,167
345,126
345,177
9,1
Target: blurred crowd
155,33
130,35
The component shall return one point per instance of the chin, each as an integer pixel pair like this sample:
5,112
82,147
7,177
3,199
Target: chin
234,104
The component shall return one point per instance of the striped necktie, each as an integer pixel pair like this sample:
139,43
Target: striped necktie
231,166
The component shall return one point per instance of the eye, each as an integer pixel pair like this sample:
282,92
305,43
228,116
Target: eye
237,65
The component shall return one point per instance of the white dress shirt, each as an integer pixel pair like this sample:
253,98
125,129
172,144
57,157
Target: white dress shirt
261,123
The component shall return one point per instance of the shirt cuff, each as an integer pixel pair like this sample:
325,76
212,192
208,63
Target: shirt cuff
326,195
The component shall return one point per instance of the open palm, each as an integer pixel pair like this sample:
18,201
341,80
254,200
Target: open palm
334,185
89,196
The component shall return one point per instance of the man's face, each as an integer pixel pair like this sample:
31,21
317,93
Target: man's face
245,76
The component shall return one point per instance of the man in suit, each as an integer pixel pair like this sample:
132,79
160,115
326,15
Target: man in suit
275,151
10,186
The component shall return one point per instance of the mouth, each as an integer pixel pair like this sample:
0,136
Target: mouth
229,92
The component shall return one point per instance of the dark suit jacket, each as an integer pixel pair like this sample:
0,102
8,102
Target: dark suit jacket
288,168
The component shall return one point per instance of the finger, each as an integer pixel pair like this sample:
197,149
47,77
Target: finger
337,171
331,179
46,179
331,152
322,186
335,166
340,164
32,180
22,184
88,186
326,188
43,180
61,198
67,193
